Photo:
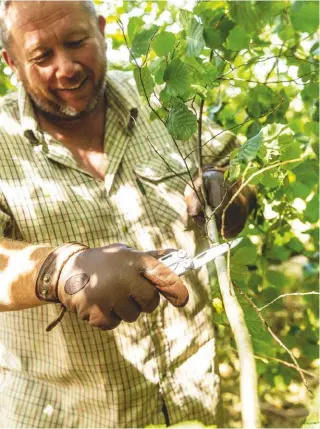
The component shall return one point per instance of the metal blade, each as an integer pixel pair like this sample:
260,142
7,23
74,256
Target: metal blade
211,254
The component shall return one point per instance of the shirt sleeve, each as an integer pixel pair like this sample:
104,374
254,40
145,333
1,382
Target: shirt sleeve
5,219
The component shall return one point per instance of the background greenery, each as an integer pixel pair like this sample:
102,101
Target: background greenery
254,68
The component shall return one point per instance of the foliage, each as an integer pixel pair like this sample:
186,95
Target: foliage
253,67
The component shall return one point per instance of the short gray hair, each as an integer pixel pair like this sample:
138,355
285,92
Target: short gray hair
5,36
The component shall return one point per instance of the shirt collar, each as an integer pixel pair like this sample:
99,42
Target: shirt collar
124,104
29,123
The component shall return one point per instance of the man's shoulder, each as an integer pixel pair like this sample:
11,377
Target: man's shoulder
124,83
122,77
9,118
8,100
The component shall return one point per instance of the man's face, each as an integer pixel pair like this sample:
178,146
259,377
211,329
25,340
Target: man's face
58,53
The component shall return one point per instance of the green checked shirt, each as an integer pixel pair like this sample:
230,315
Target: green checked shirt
77,376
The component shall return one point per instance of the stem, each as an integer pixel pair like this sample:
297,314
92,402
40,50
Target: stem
248,378
277,339
289,294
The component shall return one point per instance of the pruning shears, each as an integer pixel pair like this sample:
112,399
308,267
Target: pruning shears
180,262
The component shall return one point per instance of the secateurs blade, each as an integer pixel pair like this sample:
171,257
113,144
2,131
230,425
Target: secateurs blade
180,262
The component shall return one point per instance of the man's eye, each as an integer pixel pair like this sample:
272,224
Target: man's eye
42,57
75,43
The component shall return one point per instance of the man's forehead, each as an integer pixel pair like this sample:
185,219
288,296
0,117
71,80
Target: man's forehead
22,12
27,18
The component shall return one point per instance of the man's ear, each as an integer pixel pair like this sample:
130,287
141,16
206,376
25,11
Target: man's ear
9,60
102,24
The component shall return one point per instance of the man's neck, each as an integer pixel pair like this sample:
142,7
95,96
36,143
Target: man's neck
77,131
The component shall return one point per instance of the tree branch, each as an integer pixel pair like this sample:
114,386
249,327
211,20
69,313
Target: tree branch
288,364
289,294
267,83
248,375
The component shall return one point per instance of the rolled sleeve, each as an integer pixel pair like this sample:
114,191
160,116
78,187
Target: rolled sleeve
5,219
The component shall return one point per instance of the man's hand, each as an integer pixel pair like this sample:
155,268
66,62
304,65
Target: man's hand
219,194
113,283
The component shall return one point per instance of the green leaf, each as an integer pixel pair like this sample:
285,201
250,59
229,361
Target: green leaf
141,41
249,150
269,180
157,68
304,69
290,153
278,253
245,14
238,39
305,16
181,123
311,128
311,212
299,190
262,347
195,65
244,255
307,173
212,38
195,40
185,18
158,112
163,43
134,26
210,75
144,81
261,99
285,142
177,76
210,12
276,279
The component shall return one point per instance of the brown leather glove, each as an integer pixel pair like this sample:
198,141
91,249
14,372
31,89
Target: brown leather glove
109,284
219,193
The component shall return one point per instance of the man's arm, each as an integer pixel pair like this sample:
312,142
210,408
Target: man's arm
19,266
102,285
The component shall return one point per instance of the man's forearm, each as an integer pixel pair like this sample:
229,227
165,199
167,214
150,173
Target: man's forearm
19,266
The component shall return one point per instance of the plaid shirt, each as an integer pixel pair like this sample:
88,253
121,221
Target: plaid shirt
76,375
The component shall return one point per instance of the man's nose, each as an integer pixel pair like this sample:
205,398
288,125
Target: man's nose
66,66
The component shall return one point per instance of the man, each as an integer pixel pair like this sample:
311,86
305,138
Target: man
78,176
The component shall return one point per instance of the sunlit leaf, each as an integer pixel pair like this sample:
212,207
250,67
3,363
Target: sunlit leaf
305,16
212,38
238,39
249,150
163,43
142,40
312,210
144,81
181,123
195,40
177,76
134,26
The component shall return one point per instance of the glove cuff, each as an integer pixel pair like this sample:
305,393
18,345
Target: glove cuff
48,276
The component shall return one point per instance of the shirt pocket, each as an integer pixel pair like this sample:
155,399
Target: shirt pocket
163,184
